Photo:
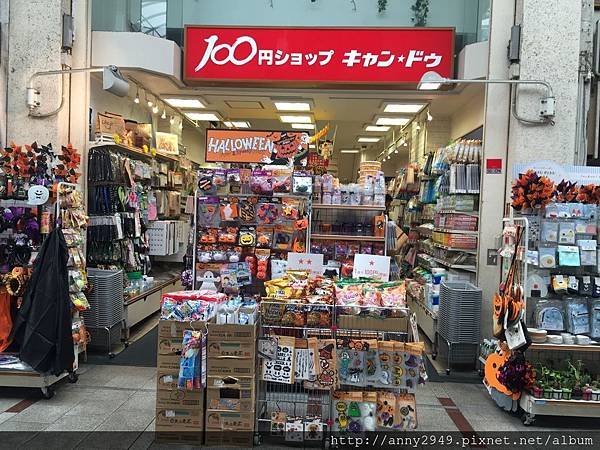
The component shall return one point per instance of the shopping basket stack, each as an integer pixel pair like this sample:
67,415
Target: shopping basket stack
459,320
105,314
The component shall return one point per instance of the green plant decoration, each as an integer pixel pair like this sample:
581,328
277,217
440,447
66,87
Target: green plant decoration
381,6
420,11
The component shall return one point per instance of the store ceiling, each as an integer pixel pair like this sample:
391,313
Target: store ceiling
347,112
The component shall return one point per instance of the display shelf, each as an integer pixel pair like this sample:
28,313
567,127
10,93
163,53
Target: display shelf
454,249
453,211
455,266
550,407
351,207
157,286
134,151
448,230
343,237
565,347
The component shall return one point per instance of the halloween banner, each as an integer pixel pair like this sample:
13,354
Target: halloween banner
253,146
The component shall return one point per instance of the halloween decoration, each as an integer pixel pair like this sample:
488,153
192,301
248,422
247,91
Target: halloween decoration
531,191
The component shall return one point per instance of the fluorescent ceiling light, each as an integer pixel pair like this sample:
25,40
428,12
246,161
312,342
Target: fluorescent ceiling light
292,106
349,151
369,139
295,119
208,117
303,126
312,146
403,108
375,128
237,124
392,121
185,103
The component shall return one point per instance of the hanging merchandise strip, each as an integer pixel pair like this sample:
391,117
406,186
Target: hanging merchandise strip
127,192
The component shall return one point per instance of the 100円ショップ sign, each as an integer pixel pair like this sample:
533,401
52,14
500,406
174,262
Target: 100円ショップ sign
361,56
253,146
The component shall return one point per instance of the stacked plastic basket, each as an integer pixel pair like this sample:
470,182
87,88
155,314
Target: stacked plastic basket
459,320
105,314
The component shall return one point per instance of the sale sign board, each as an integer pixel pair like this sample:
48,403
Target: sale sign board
254,146
316,55
371,266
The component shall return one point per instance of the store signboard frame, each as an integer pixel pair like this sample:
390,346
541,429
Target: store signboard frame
317,56
253,146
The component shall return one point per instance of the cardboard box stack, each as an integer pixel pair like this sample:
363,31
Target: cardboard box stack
231,385
179,412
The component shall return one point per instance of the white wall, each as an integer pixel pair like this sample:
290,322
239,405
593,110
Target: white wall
194,142
469,117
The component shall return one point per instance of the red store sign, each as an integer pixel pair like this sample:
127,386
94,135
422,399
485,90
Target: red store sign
316,55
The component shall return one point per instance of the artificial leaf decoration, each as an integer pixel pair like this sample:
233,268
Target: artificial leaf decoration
589,194
67,168
531,191
566,191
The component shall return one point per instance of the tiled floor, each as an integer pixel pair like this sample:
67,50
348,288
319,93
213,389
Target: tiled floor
119,398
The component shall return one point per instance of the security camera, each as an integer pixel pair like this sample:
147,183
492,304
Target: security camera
113,81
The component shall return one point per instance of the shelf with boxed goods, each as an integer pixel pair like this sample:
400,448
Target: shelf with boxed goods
182,363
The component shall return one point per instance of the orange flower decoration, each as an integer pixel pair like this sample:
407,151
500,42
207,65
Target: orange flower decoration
531,191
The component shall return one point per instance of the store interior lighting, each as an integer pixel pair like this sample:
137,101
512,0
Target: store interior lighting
403,108
172,120
164,114
377,129
237,124
136,100
303,126
292,106
368,139
286,118
203,116
185,103
429,117
155,109
350,151
392,121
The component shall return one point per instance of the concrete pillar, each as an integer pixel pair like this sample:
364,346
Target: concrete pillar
550,49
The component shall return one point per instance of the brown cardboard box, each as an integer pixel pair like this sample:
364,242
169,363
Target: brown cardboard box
179,398
237,333
229,421
231,349
241,439
397,324
195,438
174,329
168,362
179,419
229,393
231,366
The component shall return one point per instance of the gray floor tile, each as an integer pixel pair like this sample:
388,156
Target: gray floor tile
6,403
15,425
101,408
55,440
43,412
123,420
113,441
434,419
6,416
76,423
140,401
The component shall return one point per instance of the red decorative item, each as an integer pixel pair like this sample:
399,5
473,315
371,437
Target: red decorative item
589,194
566,192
